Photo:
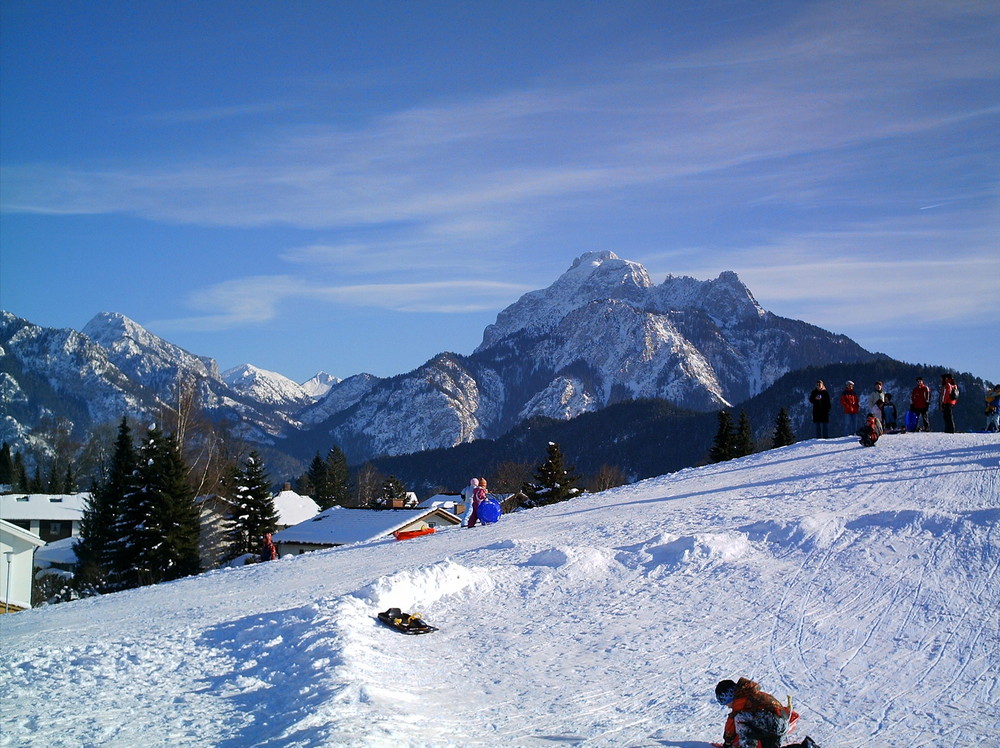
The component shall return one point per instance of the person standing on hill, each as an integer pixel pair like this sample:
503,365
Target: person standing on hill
478,497
467,494
949,398
889,414
875,401
920,402
820,399
850,404
993,409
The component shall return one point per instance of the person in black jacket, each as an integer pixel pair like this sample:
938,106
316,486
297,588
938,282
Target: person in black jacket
820,399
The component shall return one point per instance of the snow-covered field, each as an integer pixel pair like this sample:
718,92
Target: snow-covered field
862,582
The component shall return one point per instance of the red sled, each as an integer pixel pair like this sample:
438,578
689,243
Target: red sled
792,721
407,534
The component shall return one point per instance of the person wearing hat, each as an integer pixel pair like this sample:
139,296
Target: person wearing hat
754,715
850,404
467,494
920,402
993,409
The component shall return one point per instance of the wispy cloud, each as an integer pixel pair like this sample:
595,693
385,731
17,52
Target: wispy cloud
253,300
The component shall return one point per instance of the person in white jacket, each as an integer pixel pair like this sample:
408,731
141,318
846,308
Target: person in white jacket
467,494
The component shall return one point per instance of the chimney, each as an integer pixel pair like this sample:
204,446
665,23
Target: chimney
287,487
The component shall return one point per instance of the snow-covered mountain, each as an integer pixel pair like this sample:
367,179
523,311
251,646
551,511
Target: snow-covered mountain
861,582
319,385
603,332
267,387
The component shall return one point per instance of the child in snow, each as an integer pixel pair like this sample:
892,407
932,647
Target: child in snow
754,715
478,496
870,432
889,414
467,493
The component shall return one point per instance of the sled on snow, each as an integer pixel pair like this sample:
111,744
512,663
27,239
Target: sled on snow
405,623
489,511
408,534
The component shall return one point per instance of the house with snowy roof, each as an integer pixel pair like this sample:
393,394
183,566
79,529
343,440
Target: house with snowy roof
17,549
340,526
49,516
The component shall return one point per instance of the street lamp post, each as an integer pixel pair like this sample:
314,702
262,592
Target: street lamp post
9,557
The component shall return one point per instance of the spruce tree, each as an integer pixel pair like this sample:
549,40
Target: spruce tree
254,515
159,523
723,447
7,474
101,543
783,434
316,483
338,479
21,474
743,440
556,481
392,488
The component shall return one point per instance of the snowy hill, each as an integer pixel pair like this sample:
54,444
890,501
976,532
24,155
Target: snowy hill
863,582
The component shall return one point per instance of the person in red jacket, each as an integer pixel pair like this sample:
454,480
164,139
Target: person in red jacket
850,404
949,397
754,715
920,401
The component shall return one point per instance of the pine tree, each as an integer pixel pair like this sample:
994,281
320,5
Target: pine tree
316,484
338,479
783,434
392,488
159,523
556,481
101,545
723,447
69,481
21,474
254,515
7,474
743,440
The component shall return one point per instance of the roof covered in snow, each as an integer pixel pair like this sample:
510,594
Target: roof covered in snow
293,508
340,526
61,507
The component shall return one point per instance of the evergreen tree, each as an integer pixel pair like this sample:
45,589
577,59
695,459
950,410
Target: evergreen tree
69,481
392,488
723,445
783,434
743,440
8,477
54,482
21,474
36,485
314,482
100,544
338,478
556,481
254,515
160,522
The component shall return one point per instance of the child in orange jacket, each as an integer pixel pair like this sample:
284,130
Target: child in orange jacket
754,715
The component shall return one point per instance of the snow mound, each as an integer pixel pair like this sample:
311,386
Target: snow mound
421,587
578,560
676,551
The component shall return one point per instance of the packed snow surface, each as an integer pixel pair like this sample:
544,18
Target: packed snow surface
862,582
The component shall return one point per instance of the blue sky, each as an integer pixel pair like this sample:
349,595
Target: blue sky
356,186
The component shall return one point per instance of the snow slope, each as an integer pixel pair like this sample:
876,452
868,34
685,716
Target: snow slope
863,582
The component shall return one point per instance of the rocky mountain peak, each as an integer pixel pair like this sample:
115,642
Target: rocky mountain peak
592,276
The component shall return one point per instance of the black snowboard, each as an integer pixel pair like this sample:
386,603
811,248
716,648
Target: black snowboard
405,623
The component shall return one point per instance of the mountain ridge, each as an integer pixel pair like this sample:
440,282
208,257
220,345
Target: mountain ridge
601,333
